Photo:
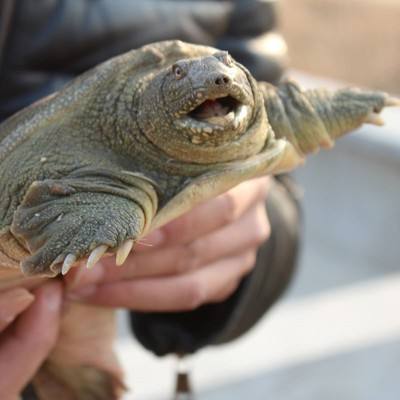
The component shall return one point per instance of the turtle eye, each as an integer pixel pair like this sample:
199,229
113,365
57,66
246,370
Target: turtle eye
178,71
226,58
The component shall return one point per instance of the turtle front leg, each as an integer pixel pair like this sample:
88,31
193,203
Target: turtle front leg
311,119
83,215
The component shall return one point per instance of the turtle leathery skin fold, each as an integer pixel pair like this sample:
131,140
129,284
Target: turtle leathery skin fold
125,148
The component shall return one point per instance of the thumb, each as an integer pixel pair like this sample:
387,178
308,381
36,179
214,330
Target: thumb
25,346
12,303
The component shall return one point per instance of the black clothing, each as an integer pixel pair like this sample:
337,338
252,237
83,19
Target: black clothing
49,42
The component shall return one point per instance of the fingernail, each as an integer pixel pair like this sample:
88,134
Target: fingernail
53,297
85,277
81,294
155,238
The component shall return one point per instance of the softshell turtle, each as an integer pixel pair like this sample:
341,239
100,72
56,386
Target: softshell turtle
125,148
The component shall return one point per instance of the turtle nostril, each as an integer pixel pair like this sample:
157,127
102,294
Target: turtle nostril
222,80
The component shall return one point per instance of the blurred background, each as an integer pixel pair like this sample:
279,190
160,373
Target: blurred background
357,41
336,332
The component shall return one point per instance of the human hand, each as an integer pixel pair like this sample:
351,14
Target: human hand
28,330
198,258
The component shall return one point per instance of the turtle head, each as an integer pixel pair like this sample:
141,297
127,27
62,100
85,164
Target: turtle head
200,109
209,95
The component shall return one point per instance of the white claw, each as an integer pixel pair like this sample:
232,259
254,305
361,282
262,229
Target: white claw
54,265
123,252
392,102
58,260
95,255
67,264
374,119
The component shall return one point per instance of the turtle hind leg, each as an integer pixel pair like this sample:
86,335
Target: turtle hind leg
82,364
76,383
347,109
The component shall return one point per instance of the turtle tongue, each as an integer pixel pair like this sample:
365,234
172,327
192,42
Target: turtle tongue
209,109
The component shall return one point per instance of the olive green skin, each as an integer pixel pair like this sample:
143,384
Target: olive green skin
90,129
107,158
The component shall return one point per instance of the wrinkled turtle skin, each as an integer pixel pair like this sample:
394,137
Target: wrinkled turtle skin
130,145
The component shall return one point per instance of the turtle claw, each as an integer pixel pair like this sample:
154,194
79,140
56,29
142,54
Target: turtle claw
95,255
123,252
374,119
54,267
95,220
68,263
392,102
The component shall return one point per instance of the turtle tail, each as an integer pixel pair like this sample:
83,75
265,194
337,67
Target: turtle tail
311,119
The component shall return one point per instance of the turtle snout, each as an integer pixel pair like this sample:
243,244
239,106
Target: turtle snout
222,80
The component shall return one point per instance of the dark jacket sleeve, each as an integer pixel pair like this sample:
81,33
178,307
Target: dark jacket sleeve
44,44
186,332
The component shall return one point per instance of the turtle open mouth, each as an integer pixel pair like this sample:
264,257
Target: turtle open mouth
216,114
220,111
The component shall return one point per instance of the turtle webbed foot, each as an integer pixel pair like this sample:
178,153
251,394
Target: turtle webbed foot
61,225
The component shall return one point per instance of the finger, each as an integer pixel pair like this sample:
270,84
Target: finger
225,292
246,233
161,262
216,212
12,303
24,346
222,283
81,276
177,293
154,239
206,218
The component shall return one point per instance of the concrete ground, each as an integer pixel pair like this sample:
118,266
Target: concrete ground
336,334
